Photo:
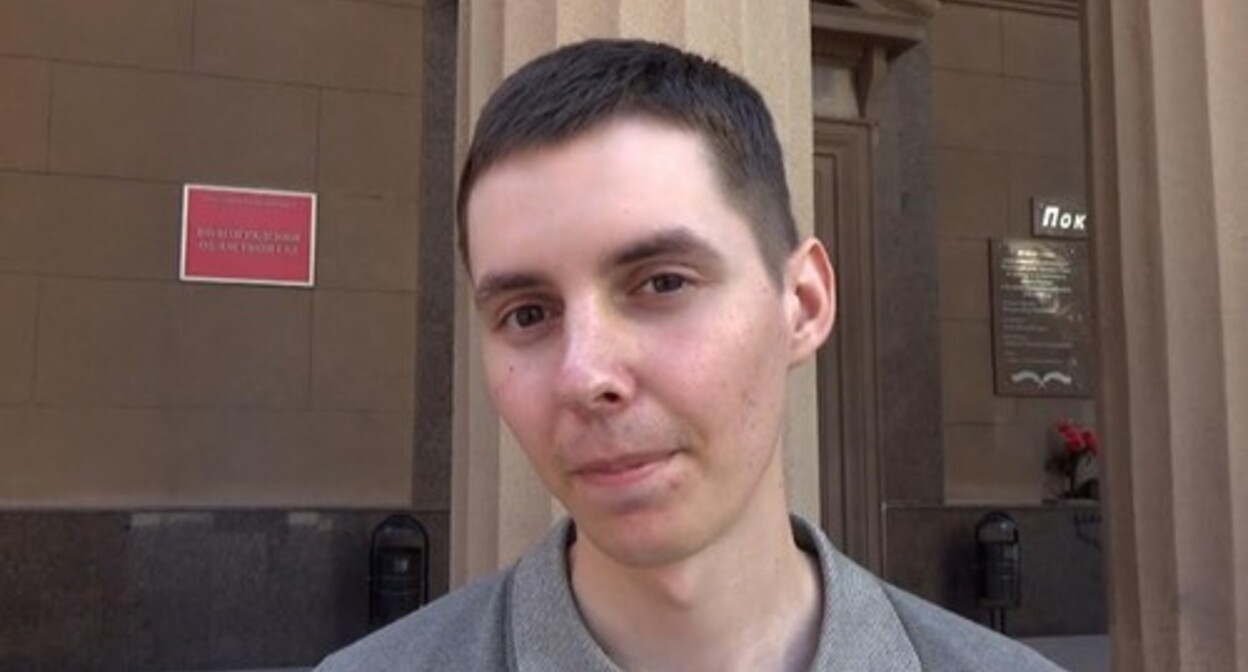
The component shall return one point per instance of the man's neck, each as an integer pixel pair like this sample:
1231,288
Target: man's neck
751,601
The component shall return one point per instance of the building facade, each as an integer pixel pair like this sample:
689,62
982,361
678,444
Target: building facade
190,473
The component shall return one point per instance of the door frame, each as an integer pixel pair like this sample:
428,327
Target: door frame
851,482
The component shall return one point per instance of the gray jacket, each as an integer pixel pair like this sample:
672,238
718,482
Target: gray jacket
526,619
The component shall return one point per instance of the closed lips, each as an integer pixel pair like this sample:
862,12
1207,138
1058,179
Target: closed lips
622,465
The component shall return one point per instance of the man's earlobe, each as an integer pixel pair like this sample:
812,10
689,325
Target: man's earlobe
811,289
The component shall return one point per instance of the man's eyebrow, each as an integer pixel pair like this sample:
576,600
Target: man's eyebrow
673,242
496,283
678,241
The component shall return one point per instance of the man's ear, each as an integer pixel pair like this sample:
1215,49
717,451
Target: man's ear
810,292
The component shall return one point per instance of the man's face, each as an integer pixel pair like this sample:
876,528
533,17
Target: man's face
633,340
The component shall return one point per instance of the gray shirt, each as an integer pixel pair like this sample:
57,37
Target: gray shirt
526,619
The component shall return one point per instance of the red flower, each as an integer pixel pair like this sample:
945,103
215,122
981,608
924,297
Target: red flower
1076,441
1089,441
1077,446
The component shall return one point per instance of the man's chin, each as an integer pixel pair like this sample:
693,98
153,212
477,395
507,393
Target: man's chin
632,541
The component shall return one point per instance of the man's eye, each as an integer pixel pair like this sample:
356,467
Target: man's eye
525,317
665,283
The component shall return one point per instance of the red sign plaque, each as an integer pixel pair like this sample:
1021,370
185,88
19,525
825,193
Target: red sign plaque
248,236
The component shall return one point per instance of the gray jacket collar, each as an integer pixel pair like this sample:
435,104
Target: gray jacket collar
860,629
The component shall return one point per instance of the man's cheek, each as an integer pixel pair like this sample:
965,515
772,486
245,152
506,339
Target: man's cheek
523,408
503,378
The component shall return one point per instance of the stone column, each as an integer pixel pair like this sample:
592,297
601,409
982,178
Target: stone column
1169,161
498,506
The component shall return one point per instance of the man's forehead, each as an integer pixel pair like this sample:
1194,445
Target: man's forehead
642,176
653,129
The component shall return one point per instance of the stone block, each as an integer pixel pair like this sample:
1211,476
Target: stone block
368,242
968,111
244,347
149,33
965,280
370,144
133,124
972,189
19,308
328,43
364,351
83,227
1042,47
1042,119
968,38
103,341
1002,462
293,458
967,374
24,113
98,457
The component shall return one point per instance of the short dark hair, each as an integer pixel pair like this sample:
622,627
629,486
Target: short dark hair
575,88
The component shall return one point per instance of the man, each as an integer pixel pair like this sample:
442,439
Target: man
625,221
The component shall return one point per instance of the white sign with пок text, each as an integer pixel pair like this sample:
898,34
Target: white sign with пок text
1058,218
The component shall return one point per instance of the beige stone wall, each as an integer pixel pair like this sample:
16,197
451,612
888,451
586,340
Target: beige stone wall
121,386
1169,145
1007,125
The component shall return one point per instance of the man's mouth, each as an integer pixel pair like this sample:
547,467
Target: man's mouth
622,471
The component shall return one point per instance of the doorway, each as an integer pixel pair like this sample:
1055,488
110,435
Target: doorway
849,453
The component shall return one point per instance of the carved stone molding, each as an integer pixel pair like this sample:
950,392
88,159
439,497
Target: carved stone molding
895,25
864,35
1064,8
911,7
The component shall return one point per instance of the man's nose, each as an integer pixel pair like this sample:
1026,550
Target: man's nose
595,373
